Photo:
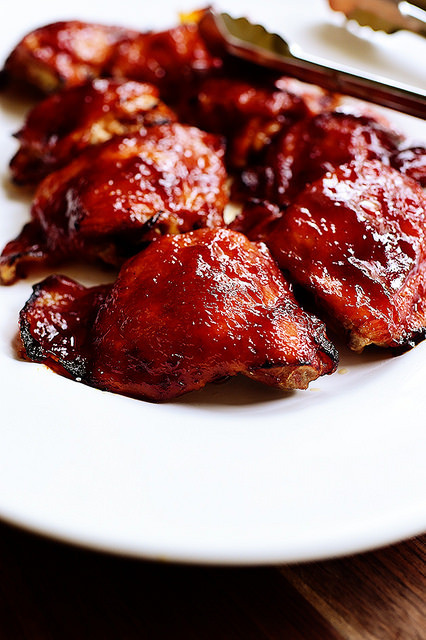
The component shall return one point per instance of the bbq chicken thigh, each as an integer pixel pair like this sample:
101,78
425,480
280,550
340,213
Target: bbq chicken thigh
356,239
117,196
63,124
173,60
188,310
311,147
249,111
66,54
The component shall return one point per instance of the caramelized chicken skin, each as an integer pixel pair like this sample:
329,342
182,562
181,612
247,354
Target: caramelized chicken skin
316,99
310,148
56,322
356,239
248,111
187,310
66,54
116,196
66,122
173,59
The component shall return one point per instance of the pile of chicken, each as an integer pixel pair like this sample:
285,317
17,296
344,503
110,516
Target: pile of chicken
142,141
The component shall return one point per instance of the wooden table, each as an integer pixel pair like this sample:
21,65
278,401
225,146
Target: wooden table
51,591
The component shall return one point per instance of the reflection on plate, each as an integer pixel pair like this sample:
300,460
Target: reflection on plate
236,473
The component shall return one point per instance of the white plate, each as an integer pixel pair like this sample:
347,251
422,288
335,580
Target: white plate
237,473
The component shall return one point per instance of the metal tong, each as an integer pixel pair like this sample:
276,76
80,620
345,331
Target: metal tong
243,39
385,15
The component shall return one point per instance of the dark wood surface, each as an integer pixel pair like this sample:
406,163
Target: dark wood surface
53,591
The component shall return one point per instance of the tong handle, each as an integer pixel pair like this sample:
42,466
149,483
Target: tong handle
251,42
396,96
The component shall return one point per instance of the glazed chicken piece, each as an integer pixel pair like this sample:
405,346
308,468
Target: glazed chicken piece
55,325
309,149
66,54
188,310
173,59
356,239
117,196
317,100
249,112
63,124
